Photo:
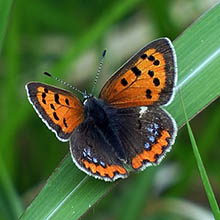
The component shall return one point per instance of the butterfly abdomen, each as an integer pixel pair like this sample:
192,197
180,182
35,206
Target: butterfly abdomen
104,118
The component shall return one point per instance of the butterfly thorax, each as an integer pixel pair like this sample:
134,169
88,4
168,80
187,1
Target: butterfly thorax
105,120
94,108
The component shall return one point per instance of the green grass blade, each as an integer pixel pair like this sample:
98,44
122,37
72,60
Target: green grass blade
5,7
67,194
210,194
72,195
136,199
13,207
12,204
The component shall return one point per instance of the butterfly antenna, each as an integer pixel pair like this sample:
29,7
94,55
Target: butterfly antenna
98,71
63,82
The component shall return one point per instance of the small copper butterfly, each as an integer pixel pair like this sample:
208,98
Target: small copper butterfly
124,129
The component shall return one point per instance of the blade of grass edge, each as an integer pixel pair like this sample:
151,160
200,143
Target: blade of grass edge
210,194
15,207
5,8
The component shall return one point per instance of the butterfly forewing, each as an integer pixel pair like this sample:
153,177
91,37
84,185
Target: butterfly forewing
61,110
146,79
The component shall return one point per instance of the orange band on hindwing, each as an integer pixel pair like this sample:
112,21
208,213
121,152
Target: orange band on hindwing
151,155
108,171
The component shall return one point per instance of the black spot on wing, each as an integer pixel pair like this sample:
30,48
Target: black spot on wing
43,95
136,71
55,116
151,73
56,98
156,82
124,82
148,93
156,62
144,56
52,106
151,58
67,101
64,122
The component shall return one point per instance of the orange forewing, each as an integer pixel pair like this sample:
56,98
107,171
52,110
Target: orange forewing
61,110
144,79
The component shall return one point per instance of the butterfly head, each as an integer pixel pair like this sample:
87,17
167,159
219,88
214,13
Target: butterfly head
86,97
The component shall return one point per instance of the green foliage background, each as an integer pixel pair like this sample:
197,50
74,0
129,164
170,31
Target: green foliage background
67,38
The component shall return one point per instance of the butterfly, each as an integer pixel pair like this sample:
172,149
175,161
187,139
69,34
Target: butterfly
125,129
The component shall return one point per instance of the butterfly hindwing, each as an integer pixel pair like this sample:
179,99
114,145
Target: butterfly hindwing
148,78
92,153
61,110
146,133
